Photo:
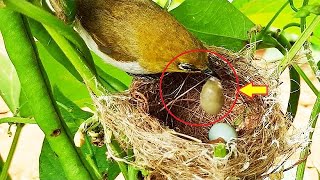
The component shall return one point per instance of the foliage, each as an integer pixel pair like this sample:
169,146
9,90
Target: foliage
219,32
46,82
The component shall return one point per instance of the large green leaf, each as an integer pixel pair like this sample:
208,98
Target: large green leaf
72,114
215,22
50,166
66,82
9,84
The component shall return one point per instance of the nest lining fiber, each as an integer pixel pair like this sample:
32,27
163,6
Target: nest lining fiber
172,150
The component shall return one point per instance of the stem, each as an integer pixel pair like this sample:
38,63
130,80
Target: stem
306,45
77,61
313,121
15,28
296,47
311,61
41,34
115,147
294,78
113,82
292,6
276,15
263,32
291,25
18,120
305,78
132,171
316,108
4,172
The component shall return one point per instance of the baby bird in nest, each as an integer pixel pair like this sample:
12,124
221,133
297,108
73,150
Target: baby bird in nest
138,36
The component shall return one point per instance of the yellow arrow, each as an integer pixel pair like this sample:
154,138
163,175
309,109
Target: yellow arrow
250,90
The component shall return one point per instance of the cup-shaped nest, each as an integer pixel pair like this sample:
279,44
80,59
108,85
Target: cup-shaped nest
171,149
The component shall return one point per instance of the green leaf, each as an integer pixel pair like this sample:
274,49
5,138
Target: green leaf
1,168
10,89
60,77
50,166
57,54
72,114
9,84
169,4
216,22
108,80
112,71
110,83
113,171
220,150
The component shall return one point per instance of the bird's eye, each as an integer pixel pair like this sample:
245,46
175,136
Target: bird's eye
187,67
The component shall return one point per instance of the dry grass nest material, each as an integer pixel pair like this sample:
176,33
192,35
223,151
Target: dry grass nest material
171,150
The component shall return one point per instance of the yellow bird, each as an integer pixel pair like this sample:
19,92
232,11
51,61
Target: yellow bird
138,36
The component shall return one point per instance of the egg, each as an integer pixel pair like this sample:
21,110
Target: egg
222,130
211,96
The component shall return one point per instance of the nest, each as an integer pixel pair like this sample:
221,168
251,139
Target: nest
169,149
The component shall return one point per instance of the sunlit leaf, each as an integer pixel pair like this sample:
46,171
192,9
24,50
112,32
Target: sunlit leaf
50,166
216,22
9,83
61,78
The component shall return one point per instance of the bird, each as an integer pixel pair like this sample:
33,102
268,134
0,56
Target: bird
138,36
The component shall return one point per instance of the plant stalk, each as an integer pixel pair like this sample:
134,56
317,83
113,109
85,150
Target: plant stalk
306,151
4,171
17,120
77,61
